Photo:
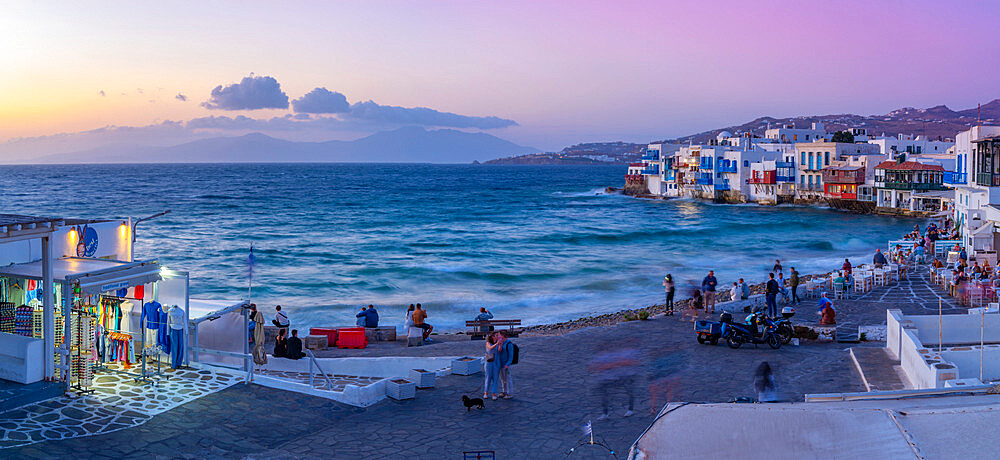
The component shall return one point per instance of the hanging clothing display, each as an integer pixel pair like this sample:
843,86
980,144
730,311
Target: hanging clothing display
163,334
176,321
121,349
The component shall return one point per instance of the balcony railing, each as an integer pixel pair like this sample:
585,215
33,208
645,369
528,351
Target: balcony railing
705,180
955,178
911,186
781,178
726,168
655,170
988,179
722,185
706,163
784,164
651,157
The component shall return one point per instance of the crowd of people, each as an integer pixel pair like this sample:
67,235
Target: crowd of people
704,296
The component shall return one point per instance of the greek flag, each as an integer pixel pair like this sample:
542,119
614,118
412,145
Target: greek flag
587,429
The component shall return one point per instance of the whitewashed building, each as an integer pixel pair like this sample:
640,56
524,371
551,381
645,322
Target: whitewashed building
789,133
909,144
814,156
977,203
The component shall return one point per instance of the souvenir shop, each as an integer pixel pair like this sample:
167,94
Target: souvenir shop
112,316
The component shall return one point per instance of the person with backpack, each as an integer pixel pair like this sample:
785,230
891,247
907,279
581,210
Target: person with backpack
507,355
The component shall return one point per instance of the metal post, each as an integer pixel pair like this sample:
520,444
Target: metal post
187,317
940,335
246,340
48,309
982,324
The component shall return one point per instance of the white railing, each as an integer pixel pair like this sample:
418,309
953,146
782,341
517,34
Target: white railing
314,362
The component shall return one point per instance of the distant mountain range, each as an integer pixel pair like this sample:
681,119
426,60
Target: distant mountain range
934,122
410,144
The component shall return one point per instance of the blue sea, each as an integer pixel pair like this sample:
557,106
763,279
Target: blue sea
540,243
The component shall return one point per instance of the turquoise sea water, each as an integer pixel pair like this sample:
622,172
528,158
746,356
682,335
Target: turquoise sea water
541,243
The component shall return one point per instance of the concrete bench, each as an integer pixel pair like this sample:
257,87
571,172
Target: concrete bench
21,358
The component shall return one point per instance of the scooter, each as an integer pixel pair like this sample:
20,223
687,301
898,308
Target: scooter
757,330
783,325
708,331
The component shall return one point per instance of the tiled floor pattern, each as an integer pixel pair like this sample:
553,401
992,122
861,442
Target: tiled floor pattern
117,402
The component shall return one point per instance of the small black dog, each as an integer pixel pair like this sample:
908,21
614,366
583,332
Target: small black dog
472,402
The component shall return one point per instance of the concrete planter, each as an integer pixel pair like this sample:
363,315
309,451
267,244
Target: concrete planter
422,378
316,342
466,365
400,389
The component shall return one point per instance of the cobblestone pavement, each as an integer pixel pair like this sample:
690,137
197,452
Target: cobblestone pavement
554,400
555,395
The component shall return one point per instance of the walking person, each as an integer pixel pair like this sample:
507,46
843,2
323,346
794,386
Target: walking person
771,295
668,285
793,281
708,286
491,368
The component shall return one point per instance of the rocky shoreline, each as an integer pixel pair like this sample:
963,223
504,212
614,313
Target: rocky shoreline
610,319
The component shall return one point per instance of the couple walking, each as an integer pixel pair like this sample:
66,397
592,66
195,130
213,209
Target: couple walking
501,353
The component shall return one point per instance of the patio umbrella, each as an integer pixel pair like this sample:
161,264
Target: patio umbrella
259,354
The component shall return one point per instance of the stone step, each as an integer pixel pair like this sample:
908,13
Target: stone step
848,333
877,369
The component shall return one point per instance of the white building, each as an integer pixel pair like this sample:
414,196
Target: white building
977,204
789,133
909,144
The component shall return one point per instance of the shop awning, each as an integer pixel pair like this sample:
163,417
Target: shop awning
95,275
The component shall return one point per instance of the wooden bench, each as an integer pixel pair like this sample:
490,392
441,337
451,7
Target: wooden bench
477,326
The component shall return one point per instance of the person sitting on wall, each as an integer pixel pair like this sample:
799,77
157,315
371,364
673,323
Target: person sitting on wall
280,318
827,316
371,317
281,344
294,347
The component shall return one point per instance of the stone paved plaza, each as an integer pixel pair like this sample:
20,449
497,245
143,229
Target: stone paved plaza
554,396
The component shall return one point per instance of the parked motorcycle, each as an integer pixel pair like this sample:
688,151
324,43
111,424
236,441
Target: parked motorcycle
759,329
783,325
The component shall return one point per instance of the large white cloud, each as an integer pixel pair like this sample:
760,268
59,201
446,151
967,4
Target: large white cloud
321,100
251,93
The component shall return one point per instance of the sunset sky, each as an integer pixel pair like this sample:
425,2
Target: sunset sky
544,74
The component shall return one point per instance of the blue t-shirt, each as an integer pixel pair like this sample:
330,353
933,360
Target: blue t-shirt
150,315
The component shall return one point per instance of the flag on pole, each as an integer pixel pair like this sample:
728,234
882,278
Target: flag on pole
588,429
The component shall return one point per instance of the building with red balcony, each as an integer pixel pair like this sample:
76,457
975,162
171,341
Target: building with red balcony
843,181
